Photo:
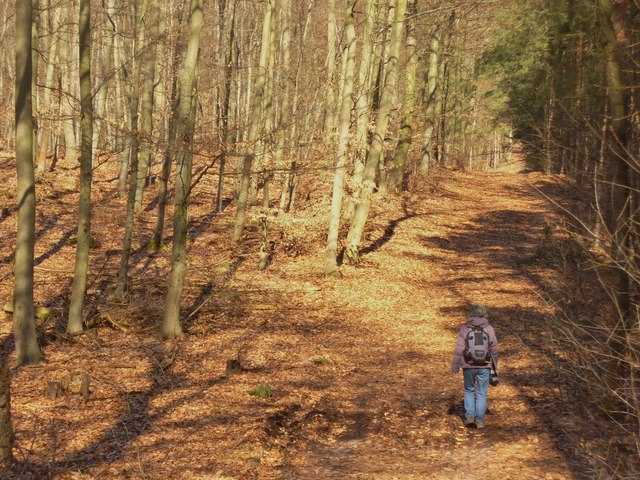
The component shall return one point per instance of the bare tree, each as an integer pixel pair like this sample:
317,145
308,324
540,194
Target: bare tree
375,153
24,329
330,263
186,108
78,290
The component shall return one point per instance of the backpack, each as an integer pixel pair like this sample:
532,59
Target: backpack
476,349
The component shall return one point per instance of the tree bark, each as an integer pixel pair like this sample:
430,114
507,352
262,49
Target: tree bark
6,432
66,90
134,157
170,326
375,153
397,165
47,112
330,261
256,126
430,102
287,188
84,221
332,41
35,64
226,101
170,137
362,108
152,21
24,329
619,175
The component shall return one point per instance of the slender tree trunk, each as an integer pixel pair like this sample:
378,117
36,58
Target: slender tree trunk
122,94
84,220
267,140
332,41
170,139
399,161
66,90
287,188
102,90
35,64
6,432
24,329
152,21
382,74
133,174
430,102
620,216
228,78
330,262
286,87
45,123
170,326
362,107
362,209
256,125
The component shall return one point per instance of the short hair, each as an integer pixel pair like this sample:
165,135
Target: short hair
477,310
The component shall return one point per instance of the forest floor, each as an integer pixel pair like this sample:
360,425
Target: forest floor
358,367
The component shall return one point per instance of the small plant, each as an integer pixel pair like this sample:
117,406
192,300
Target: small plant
263,390
43,313
320,360
156,247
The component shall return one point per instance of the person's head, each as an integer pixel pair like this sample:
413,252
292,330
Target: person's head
477,310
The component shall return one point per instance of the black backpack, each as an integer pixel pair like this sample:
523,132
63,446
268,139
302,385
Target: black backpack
477,349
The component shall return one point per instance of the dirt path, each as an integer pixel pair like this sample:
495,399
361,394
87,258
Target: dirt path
359,368
403,408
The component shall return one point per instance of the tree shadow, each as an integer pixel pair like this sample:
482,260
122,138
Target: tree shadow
45,228
388,232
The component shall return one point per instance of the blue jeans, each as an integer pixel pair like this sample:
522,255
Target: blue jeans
476,384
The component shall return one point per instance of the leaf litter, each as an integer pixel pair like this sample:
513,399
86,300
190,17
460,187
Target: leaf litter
357,369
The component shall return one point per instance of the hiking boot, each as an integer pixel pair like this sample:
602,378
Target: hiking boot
469,422
479,424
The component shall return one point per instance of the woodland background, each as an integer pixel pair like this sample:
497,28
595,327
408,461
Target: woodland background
283,127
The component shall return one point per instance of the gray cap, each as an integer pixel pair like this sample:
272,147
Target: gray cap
477,310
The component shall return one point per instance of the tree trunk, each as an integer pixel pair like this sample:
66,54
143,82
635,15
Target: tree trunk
170,326
24,329
6,432
287,188
256,125
430,102
152,22
284,117
330,262
332,40
134,157
362,107
35,64
102,90
47,112
228,77
398,163
170,138
368,182
620,216
66,90
382,74
86,136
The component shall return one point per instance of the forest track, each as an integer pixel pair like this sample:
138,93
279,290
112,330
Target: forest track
359,368
464,244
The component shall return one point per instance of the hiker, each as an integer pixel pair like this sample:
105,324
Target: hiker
477,353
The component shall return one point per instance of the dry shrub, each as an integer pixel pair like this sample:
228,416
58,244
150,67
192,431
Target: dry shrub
599,342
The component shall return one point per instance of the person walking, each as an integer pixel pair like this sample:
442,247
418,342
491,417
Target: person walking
476,352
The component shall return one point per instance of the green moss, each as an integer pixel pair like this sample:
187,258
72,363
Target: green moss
263,390
320,360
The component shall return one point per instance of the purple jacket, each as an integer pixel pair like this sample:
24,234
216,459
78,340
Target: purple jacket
458,357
